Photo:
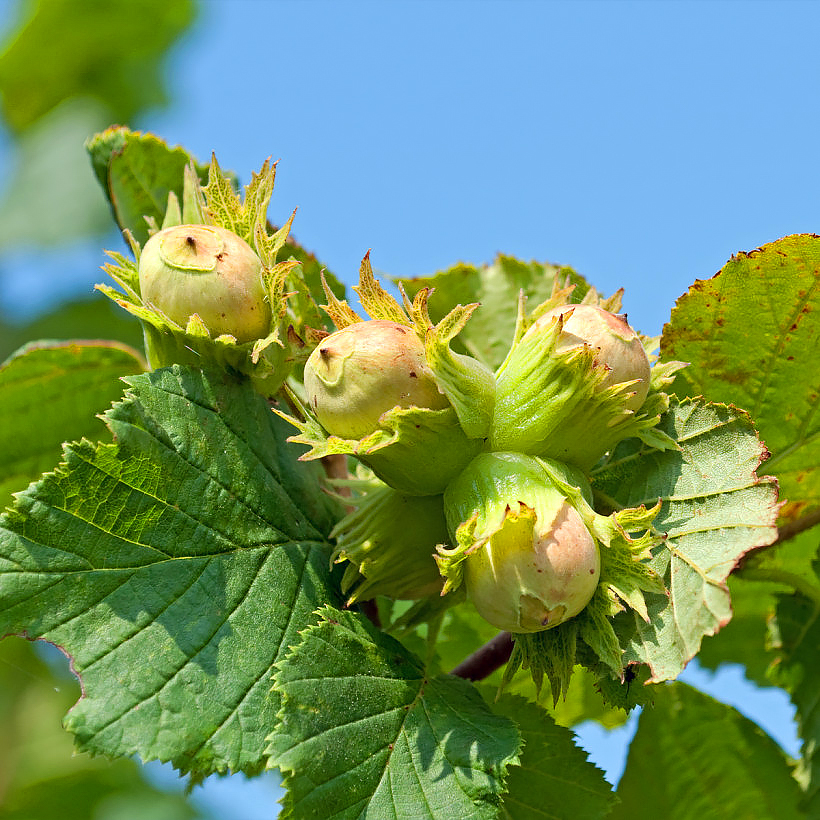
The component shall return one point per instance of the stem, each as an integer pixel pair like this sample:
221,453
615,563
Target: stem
794,528
336,467
486,659
371,611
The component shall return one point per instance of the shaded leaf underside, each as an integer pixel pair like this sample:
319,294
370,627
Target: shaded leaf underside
714,510
694,758
798,670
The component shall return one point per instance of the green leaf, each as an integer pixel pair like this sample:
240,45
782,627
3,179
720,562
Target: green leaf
751,335
50,393
367,733
95,318
714,510
754,589
137,172
51,197
694,758
797,638
174,567
489,332
744,639
110,52
554,778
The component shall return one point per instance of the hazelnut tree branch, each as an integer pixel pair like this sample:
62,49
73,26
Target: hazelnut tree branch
486,659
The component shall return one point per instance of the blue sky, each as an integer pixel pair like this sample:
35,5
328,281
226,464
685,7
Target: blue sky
642,143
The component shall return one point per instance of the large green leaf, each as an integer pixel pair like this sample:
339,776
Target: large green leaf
50,393
137,172
554,778
366,732
51,197
798,670
489,332
96,318
714,510
108,51
694,758
751,334
174,567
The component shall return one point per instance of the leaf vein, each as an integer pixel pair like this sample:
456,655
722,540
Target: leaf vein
187,660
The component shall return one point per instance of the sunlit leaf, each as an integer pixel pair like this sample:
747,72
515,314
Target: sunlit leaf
172,578
51,393
137,172
751,334
366,732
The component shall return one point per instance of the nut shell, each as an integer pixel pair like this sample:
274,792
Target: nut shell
621,350
358,373
209,271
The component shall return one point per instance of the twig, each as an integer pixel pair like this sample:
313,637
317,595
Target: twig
486,659
371,611
794,528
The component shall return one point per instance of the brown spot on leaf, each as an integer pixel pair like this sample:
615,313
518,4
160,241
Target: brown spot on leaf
792,510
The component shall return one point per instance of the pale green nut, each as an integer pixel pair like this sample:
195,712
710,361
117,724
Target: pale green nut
358,373
533,563
620,349
208,271
534,575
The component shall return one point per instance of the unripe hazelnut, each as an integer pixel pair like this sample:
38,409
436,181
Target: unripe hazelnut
531,578
532,563
621,350
358,373
209,271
